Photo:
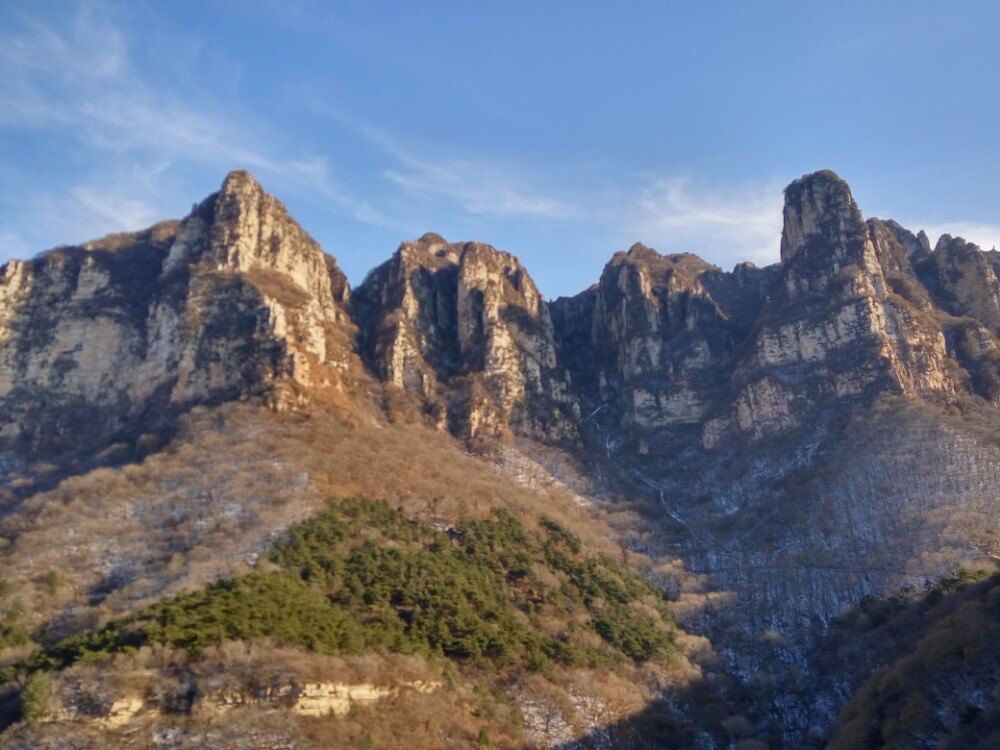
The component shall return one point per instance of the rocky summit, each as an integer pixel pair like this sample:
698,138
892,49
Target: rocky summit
689,507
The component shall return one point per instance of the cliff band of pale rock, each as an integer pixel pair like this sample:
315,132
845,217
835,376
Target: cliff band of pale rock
234,300
464,328
238,300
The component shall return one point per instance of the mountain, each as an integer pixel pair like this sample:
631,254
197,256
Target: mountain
762,449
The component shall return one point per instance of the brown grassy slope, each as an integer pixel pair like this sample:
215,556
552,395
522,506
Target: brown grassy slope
225,488
215,498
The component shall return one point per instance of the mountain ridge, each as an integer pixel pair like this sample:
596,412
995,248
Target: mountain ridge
804,435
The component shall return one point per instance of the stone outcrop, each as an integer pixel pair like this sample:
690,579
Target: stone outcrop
235,300
835,329
312,698
112,709
464,328
966,280
665,341
658,335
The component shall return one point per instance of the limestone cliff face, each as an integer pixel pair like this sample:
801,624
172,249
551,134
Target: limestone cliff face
966,280
237,299
672,340
234,300
659,336
464,328
837,327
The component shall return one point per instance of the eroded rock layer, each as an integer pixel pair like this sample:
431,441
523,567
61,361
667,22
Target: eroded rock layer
464,327
235,300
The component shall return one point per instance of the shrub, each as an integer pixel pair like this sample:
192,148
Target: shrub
363,576
34,696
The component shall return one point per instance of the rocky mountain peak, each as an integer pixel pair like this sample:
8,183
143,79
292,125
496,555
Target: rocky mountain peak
917,246
819,211
432,238
240,182
968,280
233,301
638,250
464,328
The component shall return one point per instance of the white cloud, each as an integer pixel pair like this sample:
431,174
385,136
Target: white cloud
12,246
479,187
725,225
78,81
107,200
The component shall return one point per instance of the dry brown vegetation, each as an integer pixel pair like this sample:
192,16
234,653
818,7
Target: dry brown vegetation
939,662
213,499
217,496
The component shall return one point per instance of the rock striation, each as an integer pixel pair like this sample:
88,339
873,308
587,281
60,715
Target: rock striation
238,301
653,343
668,340
834,330
463,327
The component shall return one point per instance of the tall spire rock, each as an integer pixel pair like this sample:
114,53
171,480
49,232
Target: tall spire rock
236,300
820,212
847,321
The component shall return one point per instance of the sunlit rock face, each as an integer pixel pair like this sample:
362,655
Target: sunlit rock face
237,300
855,310
752,404
463,326
234,300
846,321
653,343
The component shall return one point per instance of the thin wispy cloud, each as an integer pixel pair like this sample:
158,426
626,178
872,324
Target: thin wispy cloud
12,245
76,82
478,186
726,224
105,200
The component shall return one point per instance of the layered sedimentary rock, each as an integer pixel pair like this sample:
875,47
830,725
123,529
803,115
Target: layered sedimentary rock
237,299
654,342
834,329
670,340
464,328
234,300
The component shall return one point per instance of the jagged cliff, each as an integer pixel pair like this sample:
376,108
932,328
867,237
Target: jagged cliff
110,337
759,352
809,433
237,299
463,326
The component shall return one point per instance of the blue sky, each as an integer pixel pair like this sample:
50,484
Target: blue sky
560,131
